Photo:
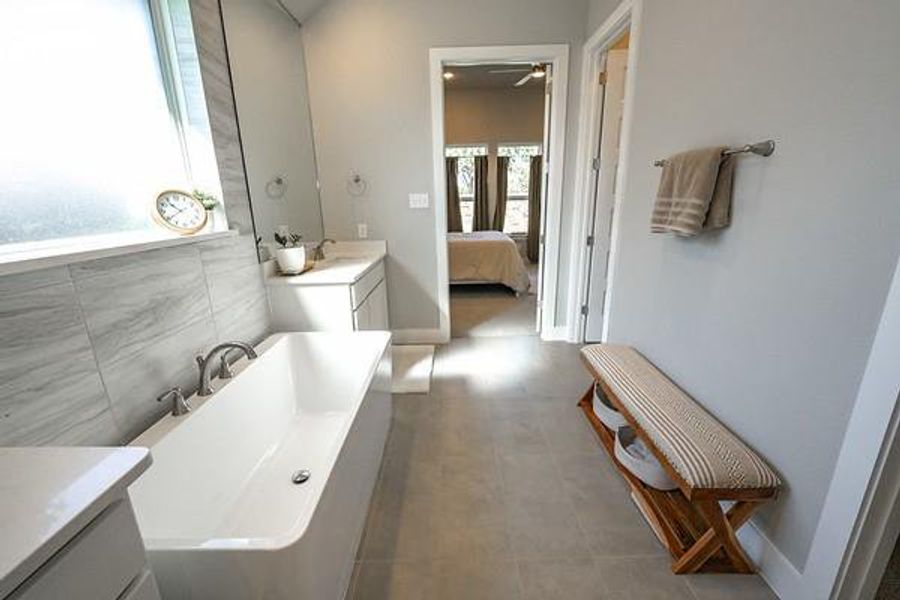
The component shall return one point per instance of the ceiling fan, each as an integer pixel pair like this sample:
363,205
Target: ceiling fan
533,72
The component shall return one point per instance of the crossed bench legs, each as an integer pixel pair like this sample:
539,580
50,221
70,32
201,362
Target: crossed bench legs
699,535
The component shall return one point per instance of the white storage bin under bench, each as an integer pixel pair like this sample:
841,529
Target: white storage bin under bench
707,463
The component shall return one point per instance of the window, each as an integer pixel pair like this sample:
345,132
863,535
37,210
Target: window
466,179
108,111
517,185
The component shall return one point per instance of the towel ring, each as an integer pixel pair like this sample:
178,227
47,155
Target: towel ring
276,187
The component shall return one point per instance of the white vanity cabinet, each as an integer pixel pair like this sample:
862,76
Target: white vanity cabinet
343,293
72,532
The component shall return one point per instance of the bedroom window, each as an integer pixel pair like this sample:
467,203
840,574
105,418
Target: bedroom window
466,178
114,114
517,185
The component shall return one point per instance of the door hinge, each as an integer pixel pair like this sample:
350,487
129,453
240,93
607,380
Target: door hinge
590,241
595,163
584,310
602,78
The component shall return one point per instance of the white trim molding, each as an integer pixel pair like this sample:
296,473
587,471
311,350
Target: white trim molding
626,16
856,495
558,56
417,336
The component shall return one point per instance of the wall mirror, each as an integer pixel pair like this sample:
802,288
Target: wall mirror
268,69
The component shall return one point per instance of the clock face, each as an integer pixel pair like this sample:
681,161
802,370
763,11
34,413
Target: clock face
180,212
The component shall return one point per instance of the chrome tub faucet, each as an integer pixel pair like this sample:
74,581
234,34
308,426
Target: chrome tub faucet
206,364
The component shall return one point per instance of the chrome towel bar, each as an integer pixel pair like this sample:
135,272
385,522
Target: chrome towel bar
764,148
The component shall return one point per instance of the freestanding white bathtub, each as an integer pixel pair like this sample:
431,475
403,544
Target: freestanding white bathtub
219,513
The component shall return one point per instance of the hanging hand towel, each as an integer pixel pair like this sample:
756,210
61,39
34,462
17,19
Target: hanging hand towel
694,192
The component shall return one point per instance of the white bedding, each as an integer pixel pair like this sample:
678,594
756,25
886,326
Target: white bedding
486,257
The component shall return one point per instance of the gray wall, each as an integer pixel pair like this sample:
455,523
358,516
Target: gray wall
367,64
598,11
86,348
769,323
265,49
493,116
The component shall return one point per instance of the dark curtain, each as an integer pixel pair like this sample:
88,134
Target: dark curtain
500,209
535,180
481,218
454,217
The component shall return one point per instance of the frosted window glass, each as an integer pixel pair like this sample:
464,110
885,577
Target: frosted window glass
87,139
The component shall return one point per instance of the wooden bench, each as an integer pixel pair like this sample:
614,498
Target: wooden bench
707,462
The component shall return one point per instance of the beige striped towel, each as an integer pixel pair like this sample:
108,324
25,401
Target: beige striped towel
694,192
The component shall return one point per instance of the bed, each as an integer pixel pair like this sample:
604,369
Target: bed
486,257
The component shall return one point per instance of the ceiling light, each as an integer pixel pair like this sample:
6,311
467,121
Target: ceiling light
448,75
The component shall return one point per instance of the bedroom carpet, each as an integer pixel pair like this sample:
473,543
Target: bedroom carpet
492,310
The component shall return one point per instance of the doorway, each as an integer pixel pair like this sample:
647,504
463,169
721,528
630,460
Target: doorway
613,69
498,188
609,61
494,128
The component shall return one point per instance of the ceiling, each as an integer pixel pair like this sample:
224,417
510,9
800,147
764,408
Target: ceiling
480,77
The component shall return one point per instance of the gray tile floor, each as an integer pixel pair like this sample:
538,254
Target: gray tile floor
494,486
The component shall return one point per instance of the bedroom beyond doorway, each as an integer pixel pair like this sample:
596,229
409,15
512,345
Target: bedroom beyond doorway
494,127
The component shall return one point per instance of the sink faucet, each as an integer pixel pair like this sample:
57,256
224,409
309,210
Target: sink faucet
224,370
319,250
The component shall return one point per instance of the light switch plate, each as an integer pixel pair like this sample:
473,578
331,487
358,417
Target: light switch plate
362,231
418,200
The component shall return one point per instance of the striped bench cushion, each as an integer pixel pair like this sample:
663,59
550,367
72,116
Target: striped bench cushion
697,446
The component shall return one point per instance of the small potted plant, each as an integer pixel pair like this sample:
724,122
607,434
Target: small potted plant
208,201
291,256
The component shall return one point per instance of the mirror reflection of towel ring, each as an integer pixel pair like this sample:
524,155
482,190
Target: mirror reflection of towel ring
276,187
356,185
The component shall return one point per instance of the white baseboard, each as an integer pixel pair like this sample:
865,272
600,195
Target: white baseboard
417,336
777,571
555,334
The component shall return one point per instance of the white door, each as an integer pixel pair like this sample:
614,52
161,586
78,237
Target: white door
545,150
605,167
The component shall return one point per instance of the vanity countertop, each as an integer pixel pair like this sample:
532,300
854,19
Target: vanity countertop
344,264
47,495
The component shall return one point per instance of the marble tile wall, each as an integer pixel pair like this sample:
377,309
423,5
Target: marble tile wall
86,348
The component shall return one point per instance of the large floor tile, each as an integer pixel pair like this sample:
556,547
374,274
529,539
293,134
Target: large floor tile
644,578
529,477
473,579
545,529
380,580
729,587
564,579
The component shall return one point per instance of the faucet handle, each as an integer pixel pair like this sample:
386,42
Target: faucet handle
225,371
180,405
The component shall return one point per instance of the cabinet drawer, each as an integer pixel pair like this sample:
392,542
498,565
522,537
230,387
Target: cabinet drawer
362,288
97,564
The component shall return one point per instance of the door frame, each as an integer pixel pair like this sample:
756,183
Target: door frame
626,16
558,56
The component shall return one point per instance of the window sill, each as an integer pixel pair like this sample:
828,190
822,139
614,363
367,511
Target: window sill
92,248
